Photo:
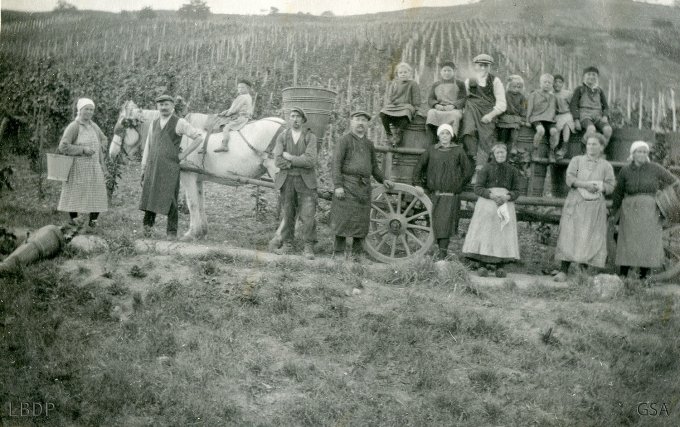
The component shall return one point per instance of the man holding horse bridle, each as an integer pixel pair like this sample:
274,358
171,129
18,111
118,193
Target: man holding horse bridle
160,166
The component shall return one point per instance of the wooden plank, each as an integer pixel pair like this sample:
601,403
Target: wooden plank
527,200
228,179
234,180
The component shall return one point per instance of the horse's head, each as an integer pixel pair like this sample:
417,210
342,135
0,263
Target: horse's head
126,132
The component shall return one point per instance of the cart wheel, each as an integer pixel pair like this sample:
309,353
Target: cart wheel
400,224
671,247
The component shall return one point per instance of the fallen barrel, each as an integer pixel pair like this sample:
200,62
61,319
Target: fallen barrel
44,243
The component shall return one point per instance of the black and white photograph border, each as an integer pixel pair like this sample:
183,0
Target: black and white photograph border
285,212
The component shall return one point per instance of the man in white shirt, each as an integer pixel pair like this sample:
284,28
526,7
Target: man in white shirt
485,101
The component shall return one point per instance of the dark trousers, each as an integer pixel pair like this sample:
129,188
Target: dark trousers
93,215
399,122
341,244
623,271
297,200
173,219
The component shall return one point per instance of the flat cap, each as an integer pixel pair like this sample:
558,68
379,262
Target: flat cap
164,98
591,69
300,111
360,113
245,81
483,59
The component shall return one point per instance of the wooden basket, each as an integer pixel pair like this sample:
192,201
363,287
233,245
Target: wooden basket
58,166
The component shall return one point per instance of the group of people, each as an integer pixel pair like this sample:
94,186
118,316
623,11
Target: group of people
482,112
473,124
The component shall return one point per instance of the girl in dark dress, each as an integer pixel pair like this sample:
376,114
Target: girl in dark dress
443,170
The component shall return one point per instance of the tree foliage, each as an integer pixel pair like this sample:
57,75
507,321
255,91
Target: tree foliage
64,7
146,13
196,9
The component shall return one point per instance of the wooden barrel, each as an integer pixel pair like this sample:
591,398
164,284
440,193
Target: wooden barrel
523,186
672,144
559,187
42,244
315,101
414,136
618,148
575,146
668,202
525,140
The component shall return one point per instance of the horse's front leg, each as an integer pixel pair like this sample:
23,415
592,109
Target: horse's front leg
191,184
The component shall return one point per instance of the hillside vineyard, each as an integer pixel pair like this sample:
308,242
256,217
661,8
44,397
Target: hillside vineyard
48,61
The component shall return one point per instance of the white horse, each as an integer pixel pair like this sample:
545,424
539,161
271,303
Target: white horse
135,124
248,156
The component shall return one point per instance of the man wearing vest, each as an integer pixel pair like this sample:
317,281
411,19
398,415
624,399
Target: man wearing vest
160,166
485,101
295,156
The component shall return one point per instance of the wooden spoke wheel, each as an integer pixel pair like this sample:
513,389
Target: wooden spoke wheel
400,224
671,248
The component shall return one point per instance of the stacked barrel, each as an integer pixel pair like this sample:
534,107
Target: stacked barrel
315,101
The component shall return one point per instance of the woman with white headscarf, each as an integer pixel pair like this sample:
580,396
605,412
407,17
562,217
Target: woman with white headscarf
640,235
491,239
85,190
443,169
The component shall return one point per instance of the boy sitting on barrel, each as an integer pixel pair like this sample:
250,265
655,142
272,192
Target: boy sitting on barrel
589,106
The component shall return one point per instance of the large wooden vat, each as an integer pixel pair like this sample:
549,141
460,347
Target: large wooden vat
315,101
414,136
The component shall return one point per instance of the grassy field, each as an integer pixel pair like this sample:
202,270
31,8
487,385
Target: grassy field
121,338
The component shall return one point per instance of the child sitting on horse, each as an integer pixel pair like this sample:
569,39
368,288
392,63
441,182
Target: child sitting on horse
238,114
401,101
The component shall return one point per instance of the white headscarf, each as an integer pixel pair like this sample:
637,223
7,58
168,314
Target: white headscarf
445,127
82,102
634,146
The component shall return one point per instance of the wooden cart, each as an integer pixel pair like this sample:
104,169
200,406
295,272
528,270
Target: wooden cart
401,220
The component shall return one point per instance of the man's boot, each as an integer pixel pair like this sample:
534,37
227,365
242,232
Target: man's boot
286,249
308,251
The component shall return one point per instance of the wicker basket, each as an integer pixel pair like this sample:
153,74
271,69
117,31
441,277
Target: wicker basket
58,166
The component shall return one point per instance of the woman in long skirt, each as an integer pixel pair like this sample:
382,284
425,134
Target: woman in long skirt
85,190
583,225
443,169
640,235
491,239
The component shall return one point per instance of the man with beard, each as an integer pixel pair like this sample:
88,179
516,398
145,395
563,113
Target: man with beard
354,161
160,166
485,101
